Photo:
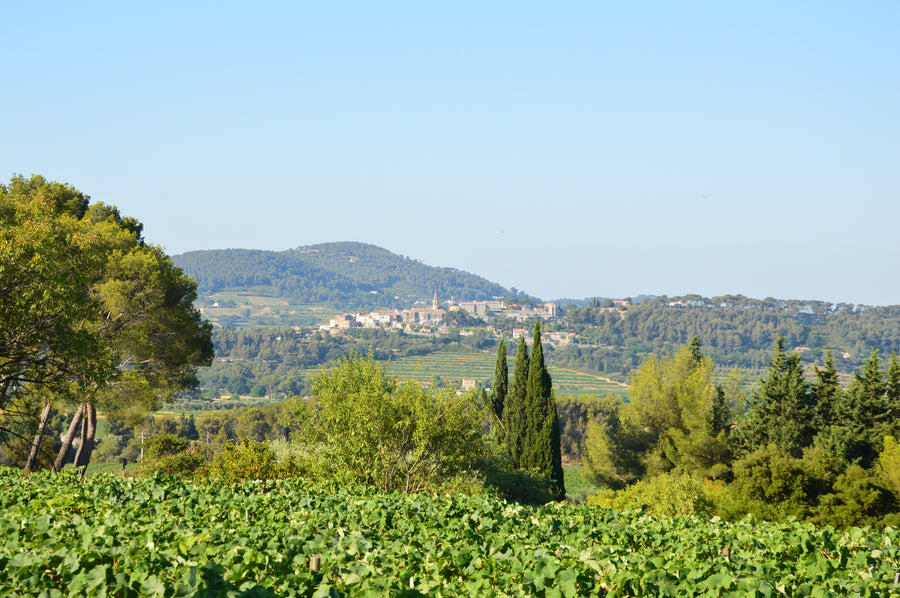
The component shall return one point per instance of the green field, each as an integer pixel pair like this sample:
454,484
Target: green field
256,311
480,365
162,537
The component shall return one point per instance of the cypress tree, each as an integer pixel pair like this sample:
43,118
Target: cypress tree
514,409
499,389
542,449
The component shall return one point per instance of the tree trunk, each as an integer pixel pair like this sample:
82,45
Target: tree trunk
67,440
83,439
36,444
87,437
4,385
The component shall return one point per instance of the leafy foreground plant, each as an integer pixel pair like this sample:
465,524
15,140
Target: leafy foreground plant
158,536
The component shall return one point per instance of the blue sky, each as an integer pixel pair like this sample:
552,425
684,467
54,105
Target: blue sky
588,149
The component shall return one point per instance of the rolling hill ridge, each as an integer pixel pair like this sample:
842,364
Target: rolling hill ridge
346,275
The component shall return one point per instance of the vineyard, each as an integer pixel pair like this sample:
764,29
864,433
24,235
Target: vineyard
155,536
456,366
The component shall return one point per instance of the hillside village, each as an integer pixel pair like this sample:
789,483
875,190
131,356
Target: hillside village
430,320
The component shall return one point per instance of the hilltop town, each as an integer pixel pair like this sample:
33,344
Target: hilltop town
431,319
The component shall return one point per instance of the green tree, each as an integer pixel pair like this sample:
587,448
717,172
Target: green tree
126,335
869,411
499,389
828,393
515,408
47,259
368,427
677,418
783,407
541,449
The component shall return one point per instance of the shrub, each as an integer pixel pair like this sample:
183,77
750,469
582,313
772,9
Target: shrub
372,429
859,499
667,494
173,455
249,460
773,486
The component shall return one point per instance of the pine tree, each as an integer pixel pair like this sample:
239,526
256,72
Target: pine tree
499,389
542,449
514,410
782,408
892,395
870,407
828,393
696,353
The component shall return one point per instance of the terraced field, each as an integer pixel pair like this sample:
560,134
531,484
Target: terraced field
456,366
250,311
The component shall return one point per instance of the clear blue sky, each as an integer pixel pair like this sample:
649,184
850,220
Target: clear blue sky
565,149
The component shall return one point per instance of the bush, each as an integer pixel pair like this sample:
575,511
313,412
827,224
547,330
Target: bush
773,486
667,494
249,460
172,455
859,499
515,485
371,429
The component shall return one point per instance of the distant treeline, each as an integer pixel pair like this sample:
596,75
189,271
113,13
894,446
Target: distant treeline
736,331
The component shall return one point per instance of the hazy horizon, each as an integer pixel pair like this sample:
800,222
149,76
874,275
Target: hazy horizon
578,150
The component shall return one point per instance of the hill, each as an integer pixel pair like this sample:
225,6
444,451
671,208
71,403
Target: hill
345,276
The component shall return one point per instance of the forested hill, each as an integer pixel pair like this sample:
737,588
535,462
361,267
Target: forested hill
345,275
734,330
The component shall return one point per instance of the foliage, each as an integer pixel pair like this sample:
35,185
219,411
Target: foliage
172,455
541,446
736,331
816,487
772,485
370,428
48,257
666,494
462,319
515,410
522,486
575,416
249,460
677,418
166,445
889,463
859,498
157,536
91,313
783,407
499,390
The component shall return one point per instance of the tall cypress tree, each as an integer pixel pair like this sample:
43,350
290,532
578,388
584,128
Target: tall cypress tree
499,389
542,448
514,410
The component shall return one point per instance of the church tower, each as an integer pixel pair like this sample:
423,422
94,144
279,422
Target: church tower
434,302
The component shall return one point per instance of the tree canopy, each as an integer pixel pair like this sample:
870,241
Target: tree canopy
677,418
90,313
368,427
